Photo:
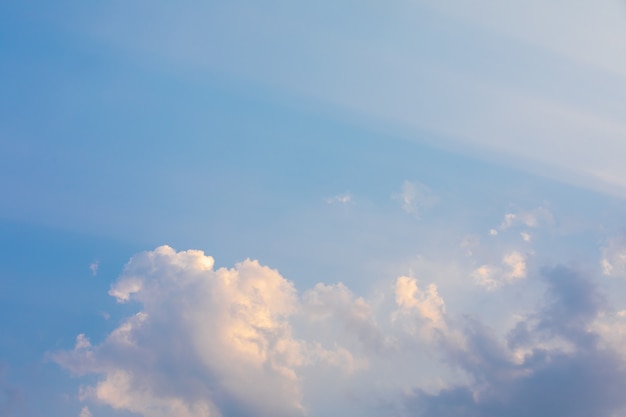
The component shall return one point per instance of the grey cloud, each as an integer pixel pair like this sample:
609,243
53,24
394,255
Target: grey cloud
579,379
572,303
558,385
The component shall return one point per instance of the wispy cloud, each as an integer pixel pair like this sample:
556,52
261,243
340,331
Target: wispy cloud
93,267
343,198
534,218
415,198
85,412
538,121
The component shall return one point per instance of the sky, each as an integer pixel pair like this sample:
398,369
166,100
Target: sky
316,209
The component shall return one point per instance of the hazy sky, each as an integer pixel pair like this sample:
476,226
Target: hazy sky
283,209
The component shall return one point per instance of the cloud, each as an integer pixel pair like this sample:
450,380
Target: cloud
93,267
613,261
426,303
344,316
512,268
586,379
529,218
84,412
236,342
206,342
415,197
344,198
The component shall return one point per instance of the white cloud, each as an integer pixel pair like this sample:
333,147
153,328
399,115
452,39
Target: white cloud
428,304
345,317
205,340
611,326
516,265
529,218
221,342
93,267
511,269
84,412
82,342
415,197
613,261
344,198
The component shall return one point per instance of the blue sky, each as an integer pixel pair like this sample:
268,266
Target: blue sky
317,209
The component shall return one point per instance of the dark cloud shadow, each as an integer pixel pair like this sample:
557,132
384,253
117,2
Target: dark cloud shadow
564,372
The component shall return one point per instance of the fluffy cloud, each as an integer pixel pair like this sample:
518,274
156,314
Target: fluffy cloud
344,317
206,342
587,378
239,342
512,268
427,305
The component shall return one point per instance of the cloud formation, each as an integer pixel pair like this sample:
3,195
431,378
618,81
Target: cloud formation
613,260
206,342
85,412
93,267
344,198
345,317
529,218
511,269
239,341
552,363
415,197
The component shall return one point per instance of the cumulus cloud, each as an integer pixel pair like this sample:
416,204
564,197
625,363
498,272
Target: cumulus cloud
345,316
206,342
512,268
236,342
587,379
415,197
427,304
